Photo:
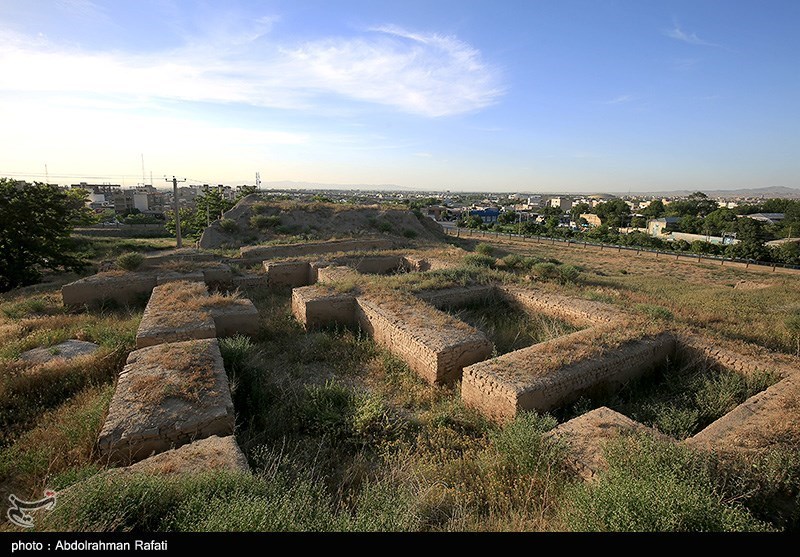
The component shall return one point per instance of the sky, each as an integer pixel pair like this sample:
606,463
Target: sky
463,95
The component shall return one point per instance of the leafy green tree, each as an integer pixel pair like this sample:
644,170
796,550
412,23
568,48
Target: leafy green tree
579,209
614,213
751,236
697,205
719,221
654,210
35,225
509,217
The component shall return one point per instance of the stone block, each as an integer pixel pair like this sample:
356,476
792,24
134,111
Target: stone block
67,350
167,396
768,418
175,313
547,375
116,286
432,343
205,455
239,316
587,435
319,306
288,273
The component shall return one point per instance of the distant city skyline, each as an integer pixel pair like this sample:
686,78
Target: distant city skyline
535,96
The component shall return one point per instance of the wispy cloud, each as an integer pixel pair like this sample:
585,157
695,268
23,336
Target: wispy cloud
430,75
691,38
621,99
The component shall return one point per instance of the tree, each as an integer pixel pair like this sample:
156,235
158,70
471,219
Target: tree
35,225
579,209
719,221
614,213
654,210
509,217
209,207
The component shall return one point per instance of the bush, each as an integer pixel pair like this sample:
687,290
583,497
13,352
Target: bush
264,222
568,274
130,261
545,271
655,486
484,248
228,225
408,233
479,260
513,261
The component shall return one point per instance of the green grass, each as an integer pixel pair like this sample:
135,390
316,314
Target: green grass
682,398
130,261
652,486
508,327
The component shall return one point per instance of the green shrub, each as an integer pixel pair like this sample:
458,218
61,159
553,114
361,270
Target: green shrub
513,261
568,274
408,233
130,261
235,351
383,226
654,486
479,260
545,270
484,248
264,222
228,225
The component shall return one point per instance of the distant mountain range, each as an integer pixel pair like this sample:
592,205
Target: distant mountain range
773,191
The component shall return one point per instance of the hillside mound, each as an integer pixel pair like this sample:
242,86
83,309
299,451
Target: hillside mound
255,221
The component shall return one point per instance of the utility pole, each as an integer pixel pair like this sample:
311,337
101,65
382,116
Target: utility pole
175,181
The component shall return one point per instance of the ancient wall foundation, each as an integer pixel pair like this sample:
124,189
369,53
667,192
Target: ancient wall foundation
260,253
123,288
571,310
587,435
522,380
288,273
459,296
167,396
432,343
769,416
319,306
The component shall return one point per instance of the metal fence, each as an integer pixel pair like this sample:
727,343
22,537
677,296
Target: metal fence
470,232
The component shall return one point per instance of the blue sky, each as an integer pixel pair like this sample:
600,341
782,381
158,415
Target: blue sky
497,95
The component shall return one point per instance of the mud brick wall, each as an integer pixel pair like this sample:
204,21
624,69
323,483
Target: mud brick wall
771,416
147,415
454,297
240,316
288,273
698,348
502,386
374,265
433,344
162,322
572,310
94,290
259,253
336,273
587,435
319,306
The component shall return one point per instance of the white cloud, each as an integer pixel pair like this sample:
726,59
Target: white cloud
680,35
425,74
621,99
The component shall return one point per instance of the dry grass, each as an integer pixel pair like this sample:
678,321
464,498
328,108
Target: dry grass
189,373
63,439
